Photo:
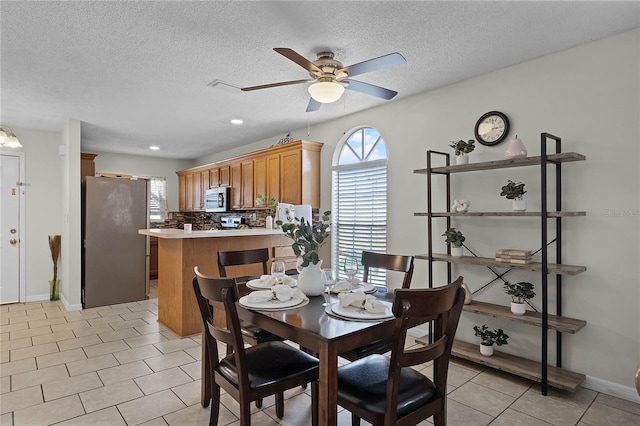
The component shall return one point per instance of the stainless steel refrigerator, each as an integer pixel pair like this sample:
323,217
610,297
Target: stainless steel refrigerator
115,258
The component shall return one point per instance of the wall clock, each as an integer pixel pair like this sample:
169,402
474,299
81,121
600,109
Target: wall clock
492,128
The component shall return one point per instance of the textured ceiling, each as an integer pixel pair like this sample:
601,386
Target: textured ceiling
137,73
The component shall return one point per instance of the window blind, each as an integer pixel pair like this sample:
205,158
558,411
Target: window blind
359,211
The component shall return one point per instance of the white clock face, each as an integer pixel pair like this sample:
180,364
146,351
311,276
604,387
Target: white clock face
491,128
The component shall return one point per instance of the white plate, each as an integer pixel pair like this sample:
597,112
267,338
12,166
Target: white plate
271,304
258,284
363,287
359,313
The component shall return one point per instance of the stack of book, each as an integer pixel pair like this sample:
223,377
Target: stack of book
513,256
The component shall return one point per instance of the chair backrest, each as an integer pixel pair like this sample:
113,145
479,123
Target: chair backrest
390,262
243,257
212,294
441,305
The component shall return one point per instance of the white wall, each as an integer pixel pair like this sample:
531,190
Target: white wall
150,166
589,96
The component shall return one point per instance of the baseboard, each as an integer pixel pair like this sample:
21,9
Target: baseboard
627,393
38,298
69,307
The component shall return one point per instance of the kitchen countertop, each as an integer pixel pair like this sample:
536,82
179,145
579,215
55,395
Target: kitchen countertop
181,234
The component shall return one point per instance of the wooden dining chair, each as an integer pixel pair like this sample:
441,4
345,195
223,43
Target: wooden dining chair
252,373
243,257
385,390
388,262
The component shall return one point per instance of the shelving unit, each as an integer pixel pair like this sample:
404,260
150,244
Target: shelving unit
542,372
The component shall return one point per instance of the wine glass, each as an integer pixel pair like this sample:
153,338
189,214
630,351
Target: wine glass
277,270
328,280
351,268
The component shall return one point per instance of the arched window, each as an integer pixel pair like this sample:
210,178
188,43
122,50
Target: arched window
359,199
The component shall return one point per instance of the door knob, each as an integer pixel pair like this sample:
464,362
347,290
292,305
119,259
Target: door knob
13,241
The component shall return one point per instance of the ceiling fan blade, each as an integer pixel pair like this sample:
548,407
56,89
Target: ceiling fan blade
313,105
382,62
298,59
370,89
282,83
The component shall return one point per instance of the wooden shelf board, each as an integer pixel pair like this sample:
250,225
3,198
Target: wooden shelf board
562,324
517,214
503,164
556,377
553,268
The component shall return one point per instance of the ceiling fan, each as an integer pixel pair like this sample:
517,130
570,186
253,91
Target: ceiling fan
330,77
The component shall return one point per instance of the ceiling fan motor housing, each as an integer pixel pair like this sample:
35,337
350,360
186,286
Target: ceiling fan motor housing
330,67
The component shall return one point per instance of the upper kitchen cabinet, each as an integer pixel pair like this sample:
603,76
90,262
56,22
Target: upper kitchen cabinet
87,164
289,173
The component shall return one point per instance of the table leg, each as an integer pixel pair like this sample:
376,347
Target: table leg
328,386
205,382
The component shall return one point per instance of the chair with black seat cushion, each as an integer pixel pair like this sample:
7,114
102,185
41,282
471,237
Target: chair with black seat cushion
386,390
389,262
252,334
252,373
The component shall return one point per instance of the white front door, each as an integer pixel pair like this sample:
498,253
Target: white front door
10,197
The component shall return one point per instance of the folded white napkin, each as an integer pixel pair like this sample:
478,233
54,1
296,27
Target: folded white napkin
341,286
279,292
363,301
270,280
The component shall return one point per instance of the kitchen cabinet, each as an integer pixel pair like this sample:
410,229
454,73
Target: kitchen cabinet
547,375
182,193
289,173
87,164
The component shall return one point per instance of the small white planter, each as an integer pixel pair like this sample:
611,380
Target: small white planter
518,308
486,350
462,159
456,251
518,205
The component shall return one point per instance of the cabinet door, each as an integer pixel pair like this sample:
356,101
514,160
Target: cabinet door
188,191
205,185
260,177
236,185
225,178
214,177
273,177
182,193
247,184
196,202
291,177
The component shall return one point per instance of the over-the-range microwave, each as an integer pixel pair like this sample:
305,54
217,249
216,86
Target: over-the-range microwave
217,199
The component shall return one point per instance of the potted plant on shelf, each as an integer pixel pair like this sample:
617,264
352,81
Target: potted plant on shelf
489,338
461,149
514,191
455,239
519,292
307,238
271,203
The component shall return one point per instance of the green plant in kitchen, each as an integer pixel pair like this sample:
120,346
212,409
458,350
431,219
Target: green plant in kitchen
491,337
54,285
513,190
308,237
262,201
519,291
461,147
454,237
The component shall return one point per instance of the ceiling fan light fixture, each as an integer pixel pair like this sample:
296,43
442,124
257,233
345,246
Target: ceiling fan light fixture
326,91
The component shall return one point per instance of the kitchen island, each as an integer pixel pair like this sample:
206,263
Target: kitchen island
179,252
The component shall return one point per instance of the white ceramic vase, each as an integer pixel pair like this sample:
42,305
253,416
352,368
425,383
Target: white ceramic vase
310,280
486,350
515,149
456,251
518,205
268,222
462,159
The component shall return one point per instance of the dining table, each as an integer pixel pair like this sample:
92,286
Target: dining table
317,330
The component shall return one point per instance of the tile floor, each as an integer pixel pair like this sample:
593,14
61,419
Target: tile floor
115,365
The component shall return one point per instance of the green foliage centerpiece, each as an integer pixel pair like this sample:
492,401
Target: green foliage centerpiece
308,237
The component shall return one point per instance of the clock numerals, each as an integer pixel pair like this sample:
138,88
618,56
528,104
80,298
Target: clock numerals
492,128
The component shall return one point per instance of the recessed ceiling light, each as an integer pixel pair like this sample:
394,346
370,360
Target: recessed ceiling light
154,147
236,121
